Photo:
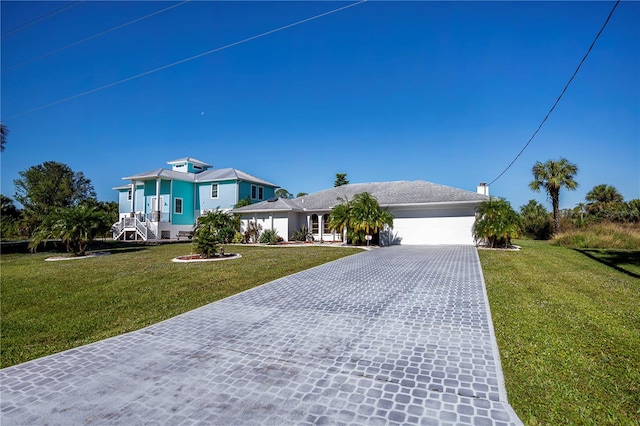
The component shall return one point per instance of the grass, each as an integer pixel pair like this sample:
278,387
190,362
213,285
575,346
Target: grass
601,236
48,307
568,327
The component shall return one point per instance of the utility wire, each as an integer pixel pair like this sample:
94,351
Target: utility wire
58,10
93,36
217,49
561,94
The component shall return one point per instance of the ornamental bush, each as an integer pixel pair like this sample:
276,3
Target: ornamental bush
496,223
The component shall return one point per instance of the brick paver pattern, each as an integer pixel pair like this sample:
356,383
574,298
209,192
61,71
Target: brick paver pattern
399,335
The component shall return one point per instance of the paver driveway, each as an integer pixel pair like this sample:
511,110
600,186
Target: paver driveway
389,336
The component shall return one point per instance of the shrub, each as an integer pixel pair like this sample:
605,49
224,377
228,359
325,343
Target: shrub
252,234
270,236
302,234
238,238
496,223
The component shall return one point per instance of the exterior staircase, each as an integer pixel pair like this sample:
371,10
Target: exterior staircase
132,226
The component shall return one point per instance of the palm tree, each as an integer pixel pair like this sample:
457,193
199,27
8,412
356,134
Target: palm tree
552,176
76,226
367,215
496,222
604,194
3,135
340,216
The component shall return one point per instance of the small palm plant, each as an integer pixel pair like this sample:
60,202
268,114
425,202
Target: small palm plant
211,230
75,226
496,222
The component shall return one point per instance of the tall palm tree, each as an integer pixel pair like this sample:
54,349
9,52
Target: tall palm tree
553,176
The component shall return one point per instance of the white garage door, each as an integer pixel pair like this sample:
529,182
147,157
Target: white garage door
433,227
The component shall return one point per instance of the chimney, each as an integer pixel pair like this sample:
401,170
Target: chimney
483,189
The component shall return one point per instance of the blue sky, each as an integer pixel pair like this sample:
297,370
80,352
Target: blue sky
446,92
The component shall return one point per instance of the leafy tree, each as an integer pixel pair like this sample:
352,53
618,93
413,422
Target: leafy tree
496,222
536,221
9,216
301,194
553,176
51,185
3,135
76,226
341,179
283,193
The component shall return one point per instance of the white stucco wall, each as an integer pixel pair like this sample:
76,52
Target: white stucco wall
433,226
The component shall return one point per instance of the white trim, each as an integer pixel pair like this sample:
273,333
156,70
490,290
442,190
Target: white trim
175,205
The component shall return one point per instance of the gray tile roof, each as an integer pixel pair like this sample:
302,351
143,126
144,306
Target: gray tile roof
388,194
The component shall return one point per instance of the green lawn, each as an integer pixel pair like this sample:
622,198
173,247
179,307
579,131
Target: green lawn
568,327
48,307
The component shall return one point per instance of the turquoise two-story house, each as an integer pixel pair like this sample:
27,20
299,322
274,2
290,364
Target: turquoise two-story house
161,203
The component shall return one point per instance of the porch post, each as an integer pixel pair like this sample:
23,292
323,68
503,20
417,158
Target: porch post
158,206
321,227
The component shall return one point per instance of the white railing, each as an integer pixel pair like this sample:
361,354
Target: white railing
146,230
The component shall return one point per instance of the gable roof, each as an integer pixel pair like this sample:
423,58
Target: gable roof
398,193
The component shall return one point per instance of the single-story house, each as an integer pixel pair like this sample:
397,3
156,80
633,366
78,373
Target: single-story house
162,203
424,212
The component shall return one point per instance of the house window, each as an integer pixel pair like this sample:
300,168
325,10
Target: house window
260,193
214,190
177,208
129,195
314,224
325,224
254,189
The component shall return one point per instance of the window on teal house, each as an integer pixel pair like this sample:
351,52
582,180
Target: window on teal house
177,208
254,189
129,195
214,190
260,193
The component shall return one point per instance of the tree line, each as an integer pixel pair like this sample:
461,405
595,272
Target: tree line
497,222
57,203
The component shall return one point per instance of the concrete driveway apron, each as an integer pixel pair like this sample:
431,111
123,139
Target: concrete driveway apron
398,335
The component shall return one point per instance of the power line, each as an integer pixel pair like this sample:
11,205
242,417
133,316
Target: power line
93,36
561,94
30,23
218,49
